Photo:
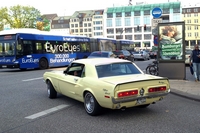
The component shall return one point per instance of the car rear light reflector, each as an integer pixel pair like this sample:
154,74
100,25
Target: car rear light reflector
156,89
127,93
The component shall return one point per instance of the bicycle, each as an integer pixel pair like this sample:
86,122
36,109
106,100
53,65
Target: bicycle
152,68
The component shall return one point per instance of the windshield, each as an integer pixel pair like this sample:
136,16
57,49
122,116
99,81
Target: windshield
7,48
116,69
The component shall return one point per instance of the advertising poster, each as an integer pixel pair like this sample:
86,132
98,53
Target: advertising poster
171,41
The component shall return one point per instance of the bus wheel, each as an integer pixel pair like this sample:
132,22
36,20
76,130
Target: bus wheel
43,64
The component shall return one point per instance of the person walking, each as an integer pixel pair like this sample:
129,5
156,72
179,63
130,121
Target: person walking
195,61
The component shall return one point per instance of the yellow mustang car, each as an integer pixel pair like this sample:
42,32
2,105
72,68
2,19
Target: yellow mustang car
106,83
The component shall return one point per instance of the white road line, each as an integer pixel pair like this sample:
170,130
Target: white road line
32,79
45,112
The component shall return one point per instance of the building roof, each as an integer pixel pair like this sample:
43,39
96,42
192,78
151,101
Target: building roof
144,7
62,17
49,16
83,14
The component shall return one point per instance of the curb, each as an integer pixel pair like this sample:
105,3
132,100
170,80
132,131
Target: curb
185,95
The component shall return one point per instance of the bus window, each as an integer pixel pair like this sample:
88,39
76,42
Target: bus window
85,47
38,47
27,47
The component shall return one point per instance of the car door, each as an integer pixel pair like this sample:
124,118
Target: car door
69,83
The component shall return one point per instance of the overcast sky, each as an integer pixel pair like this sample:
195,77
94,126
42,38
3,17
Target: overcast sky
68,7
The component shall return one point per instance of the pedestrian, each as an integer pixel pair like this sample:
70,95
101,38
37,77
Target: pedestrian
195,61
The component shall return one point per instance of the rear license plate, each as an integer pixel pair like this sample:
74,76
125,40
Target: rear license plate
141,100
4,66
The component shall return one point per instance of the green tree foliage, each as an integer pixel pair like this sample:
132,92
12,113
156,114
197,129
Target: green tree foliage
19,16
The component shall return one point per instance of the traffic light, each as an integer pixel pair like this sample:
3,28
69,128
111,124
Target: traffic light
138,28
145,27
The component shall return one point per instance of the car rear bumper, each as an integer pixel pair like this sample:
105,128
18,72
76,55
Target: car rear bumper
115,101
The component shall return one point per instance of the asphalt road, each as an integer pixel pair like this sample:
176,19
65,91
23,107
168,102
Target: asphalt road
24,107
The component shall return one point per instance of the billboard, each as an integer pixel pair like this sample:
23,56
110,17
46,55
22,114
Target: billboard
171,41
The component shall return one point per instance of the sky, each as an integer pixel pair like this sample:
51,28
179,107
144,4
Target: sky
68,7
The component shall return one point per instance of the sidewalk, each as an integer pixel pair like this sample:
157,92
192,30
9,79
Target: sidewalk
186,88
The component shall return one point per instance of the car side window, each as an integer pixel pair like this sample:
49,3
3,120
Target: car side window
75,69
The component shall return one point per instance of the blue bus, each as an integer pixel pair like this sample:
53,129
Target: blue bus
32,48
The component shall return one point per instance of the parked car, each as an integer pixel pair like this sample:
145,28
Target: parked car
153,54
141,55
106,83
124,54
102,54
187,56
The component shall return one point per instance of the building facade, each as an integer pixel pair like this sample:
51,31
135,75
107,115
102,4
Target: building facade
61,24
97,21
128,22
191,16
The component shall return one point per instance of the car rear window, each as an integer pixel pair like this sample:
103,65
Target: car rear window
117,52
116,69
100,54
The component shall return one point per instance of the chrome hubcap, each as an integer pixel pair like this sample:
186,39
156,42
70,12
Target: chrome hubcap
89,103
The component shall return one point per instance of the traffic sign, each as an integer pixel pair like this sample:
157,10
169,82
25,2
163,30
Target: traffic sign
154,24
156,12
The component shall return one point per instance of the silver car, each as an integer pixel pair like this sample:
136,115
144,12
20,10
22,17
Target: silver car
143,55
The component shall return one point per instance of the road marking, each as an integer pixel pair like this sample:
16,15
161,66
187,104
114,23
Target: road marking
32,79
45,112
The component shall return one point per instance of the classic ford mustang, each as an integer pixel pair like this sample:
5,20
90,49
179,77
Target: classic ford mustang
106,83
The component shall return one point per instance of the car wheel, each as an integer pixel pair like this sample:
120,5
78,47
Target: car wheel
144,106
92,107
51,92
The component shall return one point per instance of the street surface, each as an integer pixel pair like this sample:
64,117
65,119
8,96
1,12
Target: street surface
25,107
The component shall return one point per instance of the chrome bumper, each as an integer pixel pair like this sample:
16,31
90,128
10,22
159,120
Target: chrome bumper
139,97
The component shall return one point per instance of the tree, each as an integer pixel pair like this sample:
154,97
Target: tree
43,24
19,16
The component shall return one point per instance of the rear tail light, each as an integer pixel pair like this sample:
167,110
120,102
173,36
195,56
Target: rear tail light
127,93
156,89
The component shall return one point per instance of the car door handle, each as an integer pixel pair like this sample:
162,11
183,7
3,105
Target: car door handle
75,79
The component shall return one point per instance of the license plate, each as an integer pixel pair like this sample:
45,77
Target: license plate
141,100
4,66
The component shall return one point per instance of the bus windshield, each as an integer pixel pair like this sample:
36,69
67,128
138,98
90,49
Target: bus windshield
7,48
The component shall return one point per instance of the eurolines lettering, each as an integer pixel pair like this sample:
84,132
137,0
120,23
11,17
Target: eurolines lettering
31,60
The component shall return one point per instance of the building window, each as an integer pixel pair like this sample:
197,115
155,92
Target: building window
189,34
110,36
119,37
196,34
137,37
119,14
137,13
118,22
147,36
109,15
76,30
196,27
188,21
129,37
136,30
97,22
147,12
176,10
195,14
188,27
195,9
98,28
136,20
127,21
89,24
72,25
119,30
76,25
147,20
183,10
90,35
109,22
166,11
90,30
188,10
98,33
188,15
196,21
85,30
127,14
110,31
128,30
85,24
81,30
148,29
